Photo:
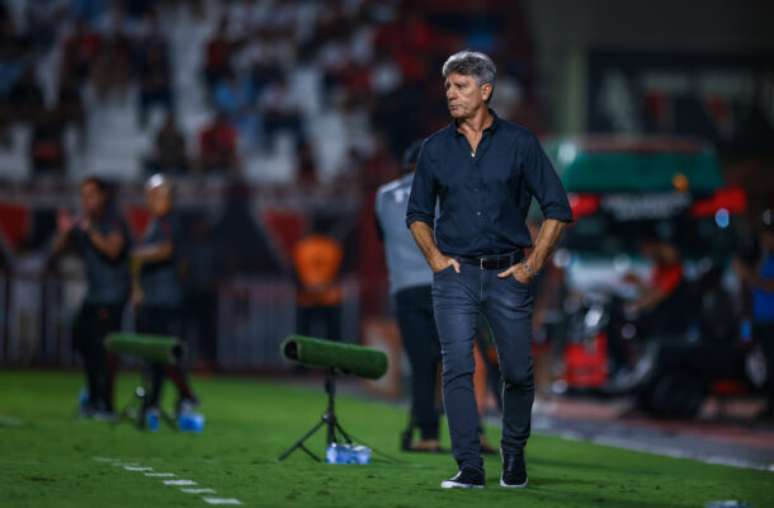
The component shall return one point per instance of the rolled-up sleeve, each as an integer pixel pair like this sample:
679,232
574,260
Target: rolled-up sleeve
421,205
543,182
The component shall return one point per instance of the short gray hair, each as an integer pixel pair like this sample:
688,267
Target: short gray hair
471,63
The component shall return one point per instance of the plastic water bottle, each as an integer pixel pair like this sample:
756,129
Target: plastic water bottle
190,421
83,400
346,453
152,420
362,454
332,453
728,503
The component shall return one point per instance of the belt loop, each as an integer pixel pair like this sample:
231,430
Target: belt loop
481,263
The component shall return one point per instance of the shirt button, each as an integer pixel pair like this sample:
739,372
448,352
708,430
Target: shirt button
478,213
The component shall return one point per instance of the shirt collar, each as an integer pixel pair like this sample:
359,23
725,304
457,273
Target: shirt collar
490,129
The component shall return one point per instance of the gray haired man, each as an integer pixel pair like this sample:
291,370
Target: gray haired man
483,172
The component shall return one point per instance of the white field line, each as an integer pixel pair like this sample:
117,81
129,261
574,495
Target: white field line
179,483
222,500
197,491
172,483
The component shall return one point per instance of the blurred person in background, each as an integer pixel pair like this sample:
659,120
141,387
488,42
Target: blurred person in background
158,294
317,260
169,154
756,269
46,146
482,172
101,237
410,287
410,284
660,306
218,145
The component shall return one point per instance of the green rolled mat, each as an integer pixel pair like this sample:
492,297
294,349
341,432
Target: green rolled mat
157,348
348,358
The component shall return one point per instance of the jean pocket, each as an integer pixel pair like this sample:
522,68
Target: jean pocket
446,270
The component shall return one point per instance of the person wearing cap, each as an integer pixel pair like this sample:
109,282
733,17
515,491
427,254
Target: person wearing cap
483,172
756,269
158,293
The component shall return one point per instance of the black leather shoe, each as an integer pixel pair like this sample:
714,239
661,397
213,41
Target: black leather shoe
466,478
514,471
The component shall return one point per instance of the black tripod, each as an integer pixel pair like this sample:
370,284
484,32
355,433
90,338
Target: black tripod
327,420
332,425
135,409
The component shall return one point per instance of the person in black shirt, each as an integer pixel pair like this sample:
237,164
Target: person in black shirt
159,293
483,172
102,238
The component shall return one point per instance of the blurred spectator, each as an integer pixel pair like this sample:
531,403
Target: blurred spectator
660,306
113,66
81,50
46,150
756,269
317,260
218,56
43,20
281,111
217,144
169,154
236,98
88,11
27,97
242,246
306,173
155,81
70,108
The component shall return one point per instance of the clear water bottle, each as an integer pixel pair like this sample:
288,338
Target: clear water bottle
362,454
332,453
190,421
727,503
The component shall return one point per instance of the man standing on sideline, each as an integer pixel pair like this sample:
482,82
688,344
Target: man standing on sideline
484,171
101,237
160,293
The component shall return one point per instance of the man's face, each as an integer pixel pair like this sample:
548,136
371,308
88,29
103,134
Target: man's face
159,200
464,96
92,199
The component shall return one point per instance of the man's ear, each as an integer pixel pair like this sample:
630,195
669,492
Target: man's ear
486,91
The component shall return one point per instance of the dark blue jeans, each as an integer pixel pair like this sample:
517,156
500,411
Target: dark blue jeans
506,304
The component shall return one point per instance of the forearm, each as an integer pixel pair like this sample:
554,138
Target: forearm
547,239
110,245
423,236
60,243
153,253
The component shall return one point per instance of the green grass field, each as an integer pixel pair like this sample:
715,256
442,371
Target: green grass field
47,458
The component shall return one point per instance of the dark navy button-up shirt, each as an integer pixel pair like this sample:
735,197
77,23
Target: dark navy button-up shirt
484,197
